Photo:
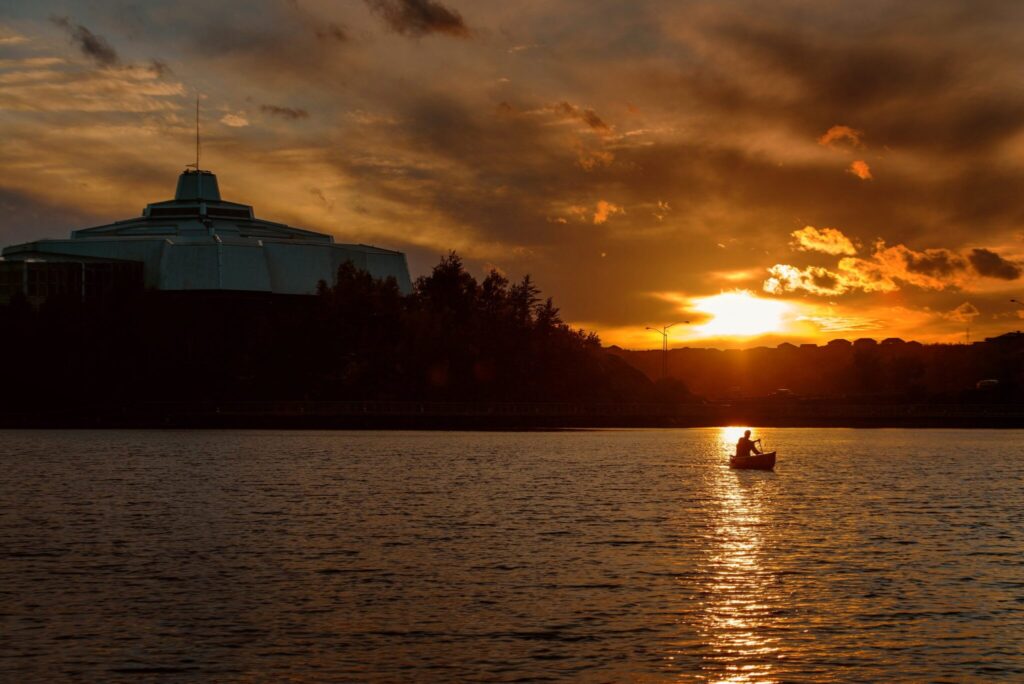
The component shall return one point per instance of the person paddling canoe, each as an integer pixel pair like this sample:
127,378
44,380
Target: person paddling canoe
745,445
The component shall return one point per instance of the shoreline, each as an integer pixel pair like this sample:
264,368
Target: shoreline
377,415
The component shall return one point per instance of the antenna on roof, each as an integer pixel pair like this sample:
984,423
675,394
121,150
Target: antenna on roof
197,131
196,165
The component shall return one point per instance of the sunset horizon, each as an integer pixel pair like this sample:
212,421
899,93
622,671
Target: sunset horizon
698,167
536,341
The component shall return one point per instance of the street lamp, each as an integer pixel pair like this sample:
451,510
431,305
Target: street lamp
663,331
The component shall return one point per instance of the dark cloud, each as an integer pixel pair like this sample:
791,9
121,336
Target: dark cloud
825,280
293,113
323,30
587,116
331,31
92,46
843,74
869,76
937,263
991,265
419,17
160,68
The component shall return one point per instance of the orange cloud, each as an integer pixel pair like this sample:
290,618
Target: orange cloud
840,133
590,160
134,89
930,269
9,37
853,274
605,210
587,116
965,313
826,240
234,120
860,169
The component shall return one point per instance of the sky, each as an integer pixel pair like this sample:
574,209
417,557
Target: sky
788,171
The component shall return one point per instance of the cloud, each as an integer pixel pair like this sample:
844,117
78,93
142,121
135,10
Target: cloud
92,46
234,120
587,116
991,265
160,68
9,37
841,133
860,169
965,313
419,17
331,31
30,62
826,240
605,210
323,30
834,324
292,113
889,267
89,92
934,269
813,280
661,210
592,159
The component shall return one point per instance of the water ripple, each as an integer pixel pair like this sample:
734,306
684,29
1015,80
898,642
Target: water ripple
869,555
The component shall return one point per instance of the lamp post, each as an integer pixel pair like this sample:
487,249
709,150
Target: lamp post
663,331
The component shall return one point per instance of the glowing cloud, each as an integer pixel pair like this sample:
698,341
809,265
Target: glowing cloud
860,169
930,269
234,120
813,279
839,134
965,313
826,240
605,210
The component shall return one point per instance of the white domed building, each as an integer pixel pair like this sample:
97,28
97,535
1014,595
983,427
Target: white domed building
197,241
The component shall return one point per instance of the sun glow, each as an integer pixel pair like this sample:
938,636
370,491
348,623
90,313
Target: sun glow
740,314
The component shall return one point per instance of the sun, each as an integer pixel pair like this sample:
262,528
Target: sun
741,314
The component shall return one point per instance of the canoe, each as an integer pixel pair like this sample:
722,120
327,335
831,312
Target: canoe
764,461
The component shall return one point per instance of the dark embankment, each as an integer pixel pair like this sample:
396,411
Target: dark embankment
453,354
157,358
509,416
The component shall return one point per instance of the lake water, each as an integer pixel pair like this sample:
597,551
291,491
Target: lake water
868,555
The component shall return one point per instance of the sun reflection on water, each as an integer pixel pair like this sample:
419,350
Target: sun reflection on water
738,597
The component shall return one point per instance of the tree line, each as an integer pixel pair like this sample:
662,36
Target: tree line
453,338
862,370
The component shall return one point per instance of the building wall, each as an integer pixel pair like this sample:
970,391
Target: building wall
210,263
41,280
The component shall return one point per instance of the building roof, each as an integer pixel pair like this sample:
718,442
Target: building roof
198,241
198,208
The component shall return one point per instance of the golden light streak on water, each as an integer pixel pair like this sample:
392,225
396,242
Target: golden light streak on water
736,615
